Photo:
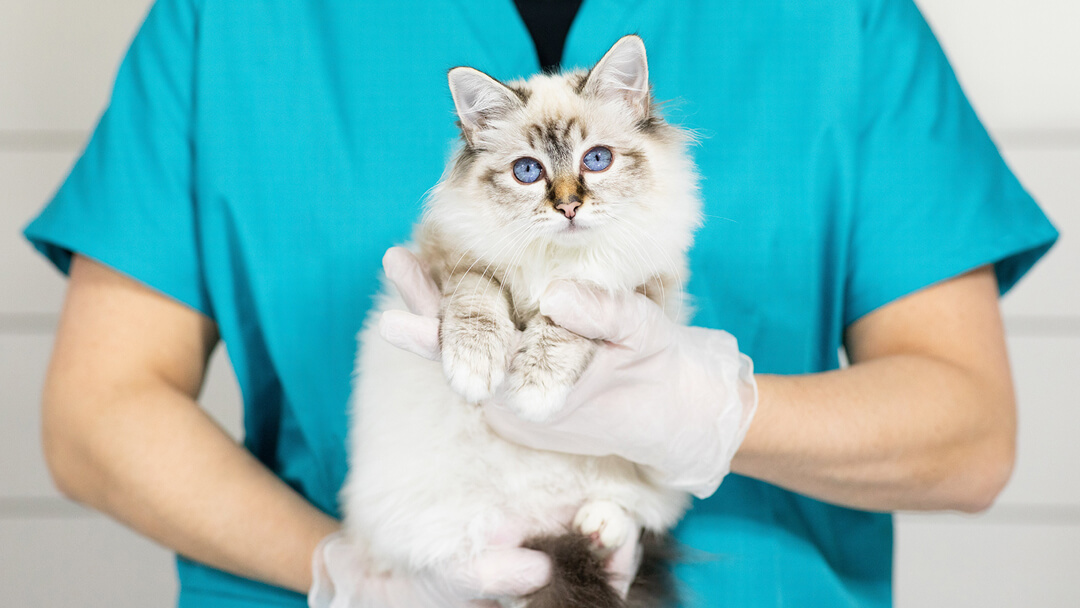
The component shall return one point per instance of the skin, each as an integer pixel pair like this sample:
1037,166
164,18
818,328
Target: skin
123,434
923,419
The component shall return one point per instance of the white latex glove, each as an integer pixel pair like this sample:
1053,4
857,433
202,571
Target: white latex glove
677,400
341,579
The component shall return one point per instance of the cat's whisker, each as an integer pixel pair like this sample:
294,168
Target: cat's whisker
528,230
509,236
676,270
525,233
717,217
511,265
631,248
473,244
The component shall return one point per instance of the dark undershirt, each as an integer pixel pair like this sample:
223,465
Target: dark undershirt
548,22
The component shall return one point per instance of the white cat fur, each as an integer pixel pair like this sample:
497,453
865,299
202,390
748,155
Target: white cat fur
429,481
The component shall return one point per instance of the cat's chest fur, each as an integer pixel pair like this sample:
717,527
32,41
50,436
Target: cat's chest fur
574,177
526,275
525,284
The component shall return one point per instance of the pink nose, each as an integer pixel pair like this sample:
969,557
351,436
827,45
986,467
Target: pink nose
569,206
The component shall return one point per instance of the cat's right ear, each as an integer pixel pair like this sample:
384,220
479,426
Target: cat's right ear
479,99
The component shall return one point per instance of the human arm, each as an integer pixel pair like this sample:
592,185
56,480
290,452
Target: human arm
123,434
924,418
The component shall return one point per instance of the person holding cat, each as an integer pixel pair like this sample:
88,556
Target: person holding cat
255,164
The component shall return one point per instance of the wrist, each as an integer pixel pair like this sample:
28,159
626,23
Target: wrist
724,415
757,444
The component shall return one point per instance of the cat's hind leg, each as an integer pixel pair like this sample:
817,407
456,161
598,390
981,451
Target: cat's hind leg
605,523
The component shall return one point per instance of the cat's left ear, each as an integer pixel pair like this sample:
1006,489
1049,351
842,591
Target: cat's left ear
623,74
479,99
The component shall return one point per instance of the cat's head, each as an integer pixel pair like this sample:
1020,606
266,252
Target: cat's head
577,162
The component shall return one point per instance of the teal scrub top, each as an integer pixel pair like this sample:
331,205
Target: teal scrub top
256,160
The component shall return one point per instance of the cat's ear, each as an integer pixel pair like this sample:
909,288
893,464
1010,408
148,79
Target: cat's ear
623,74
479,98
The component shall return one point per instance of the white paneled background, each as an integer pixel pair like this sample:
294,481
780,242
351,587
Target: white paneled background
1019,64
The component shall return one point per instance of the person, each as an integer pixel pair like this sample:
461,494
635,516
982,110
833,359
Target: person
254,164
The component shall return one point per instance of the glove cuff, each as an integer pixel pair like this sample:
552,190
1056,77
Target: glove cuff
734,403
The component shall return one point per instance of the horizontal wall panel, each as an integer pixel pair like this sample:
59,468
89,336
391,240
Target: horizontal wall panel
1048,450
89,562
58,59
1016,60
29,180
1052,175
22,467
964,563
23,359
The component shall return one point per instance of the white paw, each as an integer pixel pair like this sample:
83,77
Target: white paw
607,524
474,355
473,377
535,402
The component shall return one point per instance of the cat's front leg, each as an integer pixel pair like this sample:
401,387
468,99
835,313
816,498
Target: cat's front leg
546,365
476,335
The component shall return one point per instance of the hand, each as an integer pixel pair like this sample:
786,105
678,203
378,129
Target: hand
341,578
677,400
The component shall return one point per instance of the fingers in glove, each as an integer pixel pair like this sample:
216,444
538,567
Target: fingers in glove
623,564
417,334
507,572
413,281
621,318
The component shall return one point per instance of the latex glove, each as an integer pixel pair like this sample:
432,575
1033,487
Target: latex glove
341,579
677,400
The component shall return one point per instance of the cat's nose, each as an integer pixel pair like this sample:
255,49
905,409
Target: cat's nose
569,205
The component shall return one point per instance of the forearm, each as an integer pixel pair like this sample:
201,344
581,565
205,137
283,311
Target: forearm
151,458
893,433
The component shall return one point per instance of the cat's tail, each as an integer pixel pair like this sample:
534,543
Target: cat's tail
578,578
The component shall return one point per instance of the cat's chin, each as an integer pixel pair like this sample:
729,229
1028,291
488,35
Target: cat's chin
573,234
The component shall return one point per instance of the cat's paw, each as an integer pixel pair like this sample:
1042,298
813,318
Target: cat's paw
606,524
535,396
548,362
474,355
474,378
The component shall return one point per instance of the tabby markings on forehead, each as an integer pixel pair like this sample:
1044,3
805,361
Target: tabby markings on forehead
578,81
523,93
556,144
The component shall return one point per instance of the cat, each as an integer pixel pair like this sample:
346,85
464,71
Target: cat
563,176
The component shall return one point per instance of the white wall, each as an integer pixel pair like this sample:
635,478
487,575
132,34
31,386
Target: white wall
1018,62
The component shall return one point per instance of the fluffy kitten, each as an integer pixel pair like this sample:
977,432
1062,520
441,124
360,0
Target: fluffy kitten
570,176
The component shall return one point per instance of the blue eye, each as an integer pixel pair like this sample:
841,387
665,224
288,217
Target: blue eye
527,170
597,159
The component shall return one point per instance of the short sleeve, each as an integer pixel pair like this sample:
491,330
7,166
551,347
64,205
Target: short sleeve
128,202
933,197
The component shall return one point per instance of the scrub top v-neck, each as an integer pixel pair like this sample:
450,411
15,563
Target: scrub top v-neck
257,159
